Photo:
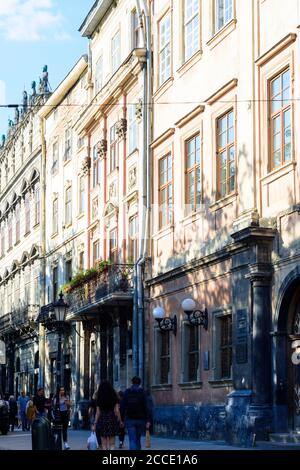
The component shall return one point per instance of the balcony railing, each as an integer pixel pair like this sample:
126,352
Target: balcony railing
21,318
116,281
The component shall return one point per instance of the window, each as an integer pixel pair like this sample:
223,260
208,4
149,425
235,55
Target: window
280,112
96,251
113,246
193,173
81,261
115,52
226,346
55,216
9,226
226,154
191,353
99,75
27,213
164,48
165,191
191,28
55,283
81,195
55,157
224,13
96,166
17,223
113,161
68,206
68,270
133,238
223,346
133,128
163,359
37,205
135,29
68,144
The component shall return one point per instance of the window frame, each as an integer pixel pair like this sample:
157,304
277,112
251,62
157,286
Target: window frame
113,248
18,223
9,232
133,239
68,206
187,328
193,169
226,149
162,78
218,317
81,195
113,148
185,25
133,136
96,166
116,52
55,157
163,187
99,74
96,243
27,213
68,144
37,201
280,113
135,29
55,215
159,336
218,28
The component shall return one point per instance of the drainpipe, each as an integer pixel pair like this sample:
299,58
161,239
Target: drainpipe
42,333
139,310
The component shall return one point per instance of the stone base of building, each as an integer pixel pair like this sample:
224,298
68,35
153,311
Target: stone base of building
239,423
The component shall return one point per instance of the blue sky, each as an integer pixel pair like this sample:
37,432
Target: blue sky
34,33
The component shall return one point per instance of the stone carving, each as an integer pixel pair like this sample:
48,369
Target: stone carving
139,110
17,115
44,82
102,148
33,87
95,208
25,101
2,140
86,165
121,128
132,178
112,190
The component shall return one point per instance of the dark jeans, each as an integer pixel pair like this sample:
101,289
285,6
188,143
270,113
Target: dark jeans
135,428
64,416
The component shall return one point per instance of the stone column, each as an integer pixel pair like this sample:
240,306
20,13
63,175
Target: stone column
86,372
260,277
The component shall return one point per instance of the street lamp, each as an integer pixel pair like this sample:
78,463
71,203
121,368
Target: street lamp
195,317
165,323
59,310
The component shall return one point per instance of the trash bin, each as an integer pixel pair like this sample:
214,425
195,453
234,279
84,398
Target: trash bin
40,434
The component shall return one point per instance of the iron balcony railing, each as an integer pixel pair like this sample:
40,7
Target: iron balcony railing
19,318
115,281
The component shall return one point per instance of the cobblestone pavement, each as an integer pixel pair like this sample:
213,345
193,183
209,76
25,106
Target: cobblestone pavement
19,440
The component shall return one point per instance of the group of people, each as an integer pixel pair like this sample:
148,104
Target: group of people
112,412
26,409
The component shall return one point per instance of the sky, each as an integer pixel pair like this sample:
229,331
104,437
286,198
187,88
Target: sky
34,33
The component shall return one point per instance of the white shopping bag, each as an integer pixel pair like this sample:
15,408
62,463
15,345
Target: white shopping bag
92,443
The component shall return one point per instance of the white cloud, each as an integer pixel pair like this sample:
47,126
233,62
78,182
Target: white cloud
30,20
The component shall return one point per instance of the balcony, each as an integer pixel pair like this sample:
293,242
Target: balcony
110,288
19,322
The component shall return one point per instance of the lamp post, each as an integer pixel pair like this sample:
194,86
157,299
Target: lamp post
60,310
195,317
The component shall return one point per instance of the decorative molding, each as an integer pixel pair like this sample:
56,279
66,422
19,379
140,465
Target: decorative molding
121,127
189,116
222,91
282,44
102,148
132,178
168,133
139,110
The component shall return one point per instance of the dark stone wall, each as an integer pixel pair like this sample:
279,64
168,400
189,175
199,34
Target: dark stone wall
190,422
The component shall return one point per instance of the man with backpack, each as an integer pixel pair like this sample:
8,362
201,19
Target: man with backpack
136,413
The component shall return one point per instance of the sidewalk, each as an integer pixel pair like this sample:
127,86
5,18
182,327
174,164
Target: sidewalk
20,440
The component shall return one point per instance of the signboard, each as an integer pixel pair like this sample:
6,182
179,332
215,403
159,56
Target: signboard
2,353
241,350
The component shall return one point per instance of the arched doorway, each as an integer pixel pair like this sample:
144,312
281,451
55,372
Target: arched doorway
286,375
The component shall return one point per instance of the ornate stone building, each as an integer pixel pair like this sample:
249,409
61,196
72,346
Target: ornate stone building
21,262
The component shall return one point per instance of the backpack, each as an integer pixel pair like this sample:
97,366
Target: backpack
136,404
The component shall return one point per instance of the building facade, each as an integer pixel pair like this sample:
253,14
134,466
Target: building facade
21,264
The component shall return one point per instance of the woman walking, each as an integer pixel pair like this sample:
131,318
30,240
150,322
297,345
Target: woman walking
108,417
61,404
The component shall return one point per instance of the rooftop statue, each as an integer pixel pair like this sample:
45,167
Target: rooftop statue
33,87
2,140
17,115
25,101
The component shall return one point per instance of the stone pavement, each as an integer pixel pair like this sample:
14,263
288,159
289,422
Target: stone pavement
19,440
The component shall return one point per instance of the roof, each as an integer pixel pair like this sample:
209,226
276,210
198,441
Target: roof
94,17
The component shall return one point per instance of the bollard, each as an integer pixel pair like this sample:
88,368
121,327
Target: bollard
56,436
40,434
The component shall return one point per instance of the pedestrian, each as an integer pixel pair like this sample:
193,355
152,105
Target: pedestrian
30,412
62,403
22,403
13,412
122,427
108,418
137,414
49,406
39,402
